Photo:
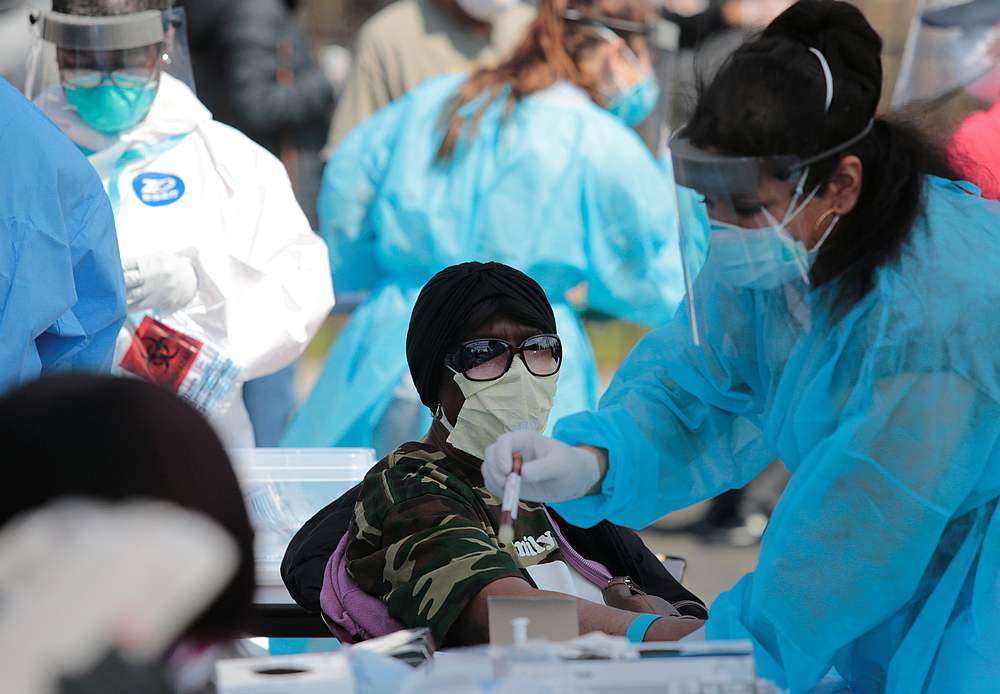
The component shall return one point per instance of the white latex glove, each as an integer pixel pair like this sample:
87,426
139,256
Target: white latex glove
552,470
162,281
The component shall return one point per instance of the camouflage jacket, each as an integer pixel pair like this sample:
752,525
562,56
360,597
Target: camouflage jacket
424,537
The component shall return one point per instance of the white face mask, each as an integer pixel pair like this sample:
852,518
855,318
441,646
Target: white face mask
765,257
485,10
516,400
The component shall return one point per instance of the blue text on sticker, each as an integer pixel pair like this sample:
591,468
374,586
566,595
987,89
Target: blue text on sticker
158,189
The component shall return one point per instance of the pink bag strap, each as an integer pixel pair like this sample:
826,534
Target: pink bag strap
594,571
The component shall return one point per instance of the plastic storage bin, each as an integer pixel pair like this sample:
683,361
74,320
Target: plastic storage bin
285,487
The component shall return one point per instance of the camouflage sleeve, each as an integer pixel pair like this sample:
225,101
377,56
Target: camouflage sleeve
430,557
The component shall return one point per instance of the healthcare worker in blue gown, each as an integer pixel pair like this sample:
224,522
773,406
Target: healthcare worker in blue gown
62,296
844,320
532,164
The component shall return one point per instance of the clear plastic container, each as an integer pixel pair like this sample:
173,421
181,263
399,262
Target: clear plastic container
285,487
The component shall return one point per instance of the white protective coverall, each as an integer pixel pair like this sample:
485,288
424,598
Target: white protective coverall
183,183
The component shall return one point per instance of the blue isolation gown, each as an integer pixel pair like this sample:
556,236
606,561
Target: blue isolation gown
559,189
62,295
882,558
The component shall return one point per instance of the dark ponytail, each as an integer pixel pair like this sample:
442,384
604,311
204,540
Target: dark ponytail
769,99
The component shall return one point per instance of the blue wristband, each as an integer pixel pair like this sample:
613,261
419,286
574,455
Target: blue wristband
639,626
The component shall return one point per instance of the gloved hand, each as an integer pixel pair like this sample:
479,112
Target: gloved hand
552,470
162,281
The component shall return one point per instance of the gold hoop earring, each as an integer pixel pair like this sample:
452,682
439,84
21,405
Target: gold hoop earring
822,218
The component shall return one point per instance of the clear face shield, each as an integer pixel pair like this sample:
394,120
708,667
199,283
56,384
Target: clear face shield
748,234
951,62
664,43
745,239
107,70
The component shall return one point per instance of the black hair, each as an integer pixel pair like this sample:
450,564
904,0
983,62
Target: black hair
769,99
115,439
108,8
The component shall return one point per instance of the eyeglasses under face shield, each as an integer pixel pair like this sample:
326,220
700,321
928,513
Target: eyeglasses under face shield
94,50
123,52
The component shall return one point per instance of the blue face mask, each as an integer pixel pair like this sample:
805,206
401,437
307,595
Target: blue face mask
110,108
765,257
636,103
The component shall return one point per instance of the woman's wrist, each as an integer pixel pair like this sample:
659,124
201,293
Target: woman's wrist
601,455
673,628
640,626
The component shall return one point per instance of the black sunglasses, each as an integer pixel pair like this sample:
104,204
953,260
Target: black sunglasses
489,358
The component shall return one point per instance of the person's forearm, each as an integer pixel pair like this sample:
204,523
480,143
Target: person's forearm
602,463
611,620
472,627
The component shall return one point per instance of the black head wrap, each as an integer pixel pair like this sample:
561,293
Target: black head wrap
119,438
461,298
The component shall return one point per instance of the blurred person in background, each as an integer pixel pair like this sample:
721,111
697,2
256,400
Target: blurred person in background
121,440
950,83
15,42
700,19
225,280
62,297
710,30
533,164
412,40
255,71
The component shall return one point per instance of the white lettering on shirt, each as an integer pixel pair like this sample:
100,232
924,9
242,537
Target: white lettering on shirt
529,546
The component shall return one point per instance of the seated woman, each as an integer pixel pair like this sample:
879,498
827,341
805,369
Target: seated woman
423,540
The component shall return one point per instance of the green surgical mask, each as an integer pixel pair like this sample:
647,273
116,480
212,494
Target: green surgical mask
110,108
512,402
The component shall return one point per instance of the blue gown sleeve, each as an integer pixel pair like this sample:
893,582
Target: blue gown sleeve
350,182
62,295
865,528
84,336
631,219
680,423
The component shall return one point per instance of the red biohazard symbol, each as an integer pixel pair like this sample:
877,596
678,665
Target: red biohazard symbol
161,354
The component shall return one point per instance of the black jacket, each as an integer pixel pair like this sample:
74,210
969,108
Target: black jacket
621,550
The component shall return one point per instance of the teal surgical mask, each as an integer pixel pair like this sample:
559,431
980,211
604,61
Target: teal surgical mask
110,108
634,104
